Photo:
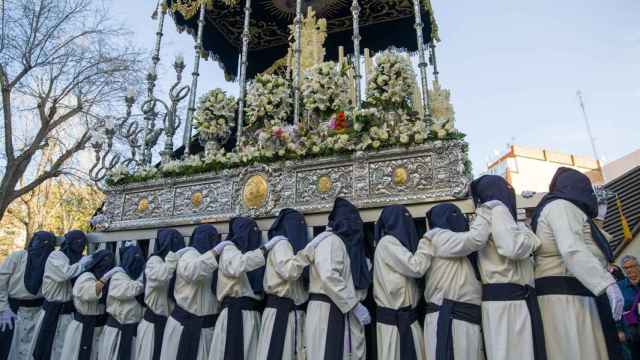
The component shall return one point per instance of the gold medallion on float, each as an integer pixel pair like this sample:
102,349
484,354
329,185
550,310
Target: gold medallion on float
143,205
196,199
324,184
400,176
255,192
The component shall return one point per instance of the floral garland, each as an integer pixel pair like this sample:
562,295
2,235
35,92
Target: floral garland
216,114
324,89
392,82
269,102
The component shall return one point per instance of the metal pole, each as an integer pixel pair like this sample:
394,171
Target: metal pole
296,62
434,62
156,52
424,81
591,138
243,68
186,139
355,11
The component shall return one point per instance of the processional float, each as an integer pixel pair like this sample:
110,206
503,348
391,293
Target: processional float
329,105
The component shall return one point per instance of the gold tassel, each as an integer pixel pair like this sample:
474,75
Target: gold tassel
626,229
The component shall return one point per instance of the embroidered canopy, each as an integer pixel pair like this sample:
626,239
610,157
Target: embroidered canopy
383,24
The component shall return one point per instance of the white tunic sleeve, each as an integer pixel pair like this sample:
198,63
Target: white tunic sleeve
58,267
330,266
158,272
199,268
512,240
125,288
285,263
400,259
567,223
85,289
449,244
6,270
233,263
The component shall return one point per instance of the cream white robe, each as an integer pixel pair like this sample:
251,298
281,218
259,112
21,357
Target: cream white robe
158,275
394,286
571,323
282,278
194,276
57,286
504,256
12,286
233,282
86,302
330,275
451,276
123,307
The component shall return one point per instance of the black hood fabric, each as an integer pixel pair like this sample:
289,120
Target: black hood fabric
493,187
73,245
204,238
395,220
101,262
132,261
168,240
575,187
41,245
447,216
290,224
345,221
246,235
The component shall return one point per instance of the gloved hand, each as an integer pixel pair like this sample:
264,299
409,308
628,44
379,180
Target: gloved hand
318,239
7,318
273,241
106,277
492,203
602,211
218,248
362,314
616,300
85,260
182,251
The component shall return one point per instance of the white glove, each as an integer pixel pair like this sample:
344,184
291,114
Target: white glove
362,314
182,251
85,260
493,203
218,248
7,318
318,239
602,211
616,300
106,277
273,241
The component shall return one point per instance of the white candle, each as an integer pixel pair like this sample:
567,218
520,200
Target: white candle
131,92
152,69
179,59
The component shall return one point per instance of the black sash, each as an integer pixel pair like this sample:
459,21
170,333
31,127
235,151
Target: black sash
89,323
234,346
334,346
448,311
46,336
6,336
127,333
192,326
284,306
526,293
402,319
159,322
565,285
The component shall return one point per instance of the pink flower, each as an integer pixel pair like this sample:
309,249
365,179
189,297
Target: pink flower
332,122
278,132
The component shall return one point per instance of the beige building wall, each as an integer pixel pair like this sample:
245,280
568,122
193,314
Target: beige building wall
529,169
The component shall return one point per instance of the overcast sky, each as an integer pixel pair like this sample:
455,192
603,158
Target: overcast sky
513,68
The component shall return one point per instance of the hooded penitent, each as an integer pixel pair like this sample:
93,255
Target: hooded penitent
246,235
168,240
290,224
101,262
132,261
345,222
203,239
493,187
575,187
73,245
41,245
396,221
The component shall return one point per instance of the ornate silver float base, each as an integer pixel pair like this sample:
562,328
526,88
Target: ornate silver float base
432,172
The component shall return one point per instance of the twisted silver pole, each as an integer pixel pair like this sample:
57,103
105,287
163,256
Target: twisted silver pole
243,68
434,62
424,81
186,138
156,51
296,62
355,11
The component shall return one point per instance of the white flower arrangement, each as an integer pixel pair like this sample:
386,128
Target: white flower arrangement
268,101
118,173
215,115
325,89
148,171
392,83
